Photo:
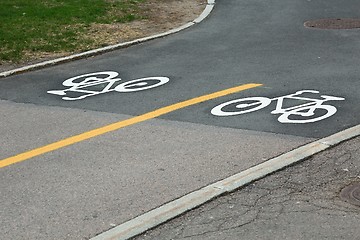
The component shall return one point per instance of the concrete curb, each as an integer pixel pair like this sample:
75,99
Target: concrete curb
209,7
194,199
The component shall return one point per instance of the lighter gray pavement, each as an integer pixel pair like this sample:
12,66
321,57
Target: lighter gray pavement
299,202
82,190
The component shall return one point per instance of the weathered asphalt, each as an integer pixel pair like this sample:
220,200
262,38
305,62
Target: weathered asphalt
299,202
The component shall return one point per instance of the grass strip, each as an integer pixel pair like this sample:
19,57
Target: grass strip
38,26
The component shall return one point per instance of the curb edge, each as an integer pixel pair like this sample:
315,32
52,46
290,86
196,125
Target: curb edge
196,198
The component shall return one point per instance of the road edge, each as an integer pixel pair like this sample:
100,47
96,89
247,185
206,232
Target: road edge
196,198
208,9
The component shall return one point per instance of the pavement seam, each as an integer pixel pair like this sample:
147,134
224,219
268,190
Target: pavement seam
119,125
209,7
196,198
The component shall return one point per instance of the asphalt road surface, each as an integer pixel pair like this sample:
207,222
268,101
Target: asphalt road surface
87,185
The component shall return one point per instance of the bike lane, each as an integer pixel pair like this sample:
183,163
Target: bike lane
283,55
258,51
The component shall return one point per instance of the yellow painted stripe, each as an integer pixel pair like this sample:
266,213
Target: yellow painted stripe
118,125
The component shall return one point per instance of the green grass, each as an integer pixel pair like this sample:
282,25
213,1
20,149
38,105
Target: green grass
28,26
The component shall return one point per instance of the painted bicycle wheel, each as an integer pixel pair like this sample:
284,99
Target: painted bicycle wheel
141,84
240,106
326,111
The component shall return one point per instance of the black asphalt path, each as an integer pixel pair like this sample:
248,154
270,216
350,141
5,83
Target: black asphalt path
242,42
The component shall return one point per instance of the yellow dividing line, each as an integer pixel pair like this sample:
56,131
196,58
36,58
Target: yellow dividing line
115,126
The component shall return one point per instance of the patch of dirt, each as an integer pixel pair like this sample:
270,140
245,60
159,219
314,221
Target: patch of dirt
160,16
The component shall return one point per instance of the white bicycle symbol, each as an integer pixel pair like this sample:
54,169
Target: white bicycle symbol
92,84
306,110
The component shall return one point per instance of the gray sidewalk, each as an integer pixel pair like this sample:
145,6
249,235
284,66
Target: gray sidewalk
300,202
